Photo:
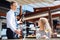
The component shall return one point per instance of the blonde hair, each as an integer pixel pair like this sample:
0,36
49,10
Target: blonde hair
46,24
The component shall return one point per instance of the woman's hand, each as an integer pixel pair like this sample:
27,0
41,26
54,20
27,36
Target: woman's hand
44,36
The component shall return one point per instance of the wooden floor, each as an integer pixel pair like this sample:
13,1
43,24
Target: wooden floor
45,39
33,39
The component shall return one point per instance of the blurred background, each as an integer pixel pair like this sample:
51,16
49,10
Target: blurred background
34,9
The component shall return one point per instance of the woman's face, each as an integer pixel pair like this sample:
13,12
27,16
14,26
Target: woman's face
41,25
43,22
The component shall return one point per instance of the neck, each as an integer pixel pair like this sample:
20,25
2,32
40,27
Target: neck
13,9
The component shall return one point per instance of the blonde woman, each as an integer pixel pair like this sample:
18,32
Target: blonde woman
45,29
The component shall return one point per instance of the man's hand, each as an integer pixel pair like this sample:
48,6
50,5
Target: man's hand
17,31
20,21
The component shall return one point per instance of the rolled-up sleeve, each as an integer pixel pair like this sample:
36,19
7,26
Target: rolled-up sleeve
18,22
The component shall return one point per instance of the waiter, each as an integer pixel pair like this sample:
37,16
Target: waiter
11,21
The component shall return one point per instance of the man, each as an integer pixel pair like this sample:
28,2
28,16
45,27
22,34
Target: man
11,21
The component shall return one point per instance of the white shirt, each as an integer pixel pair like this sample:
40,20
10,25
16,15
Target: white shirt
11,20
